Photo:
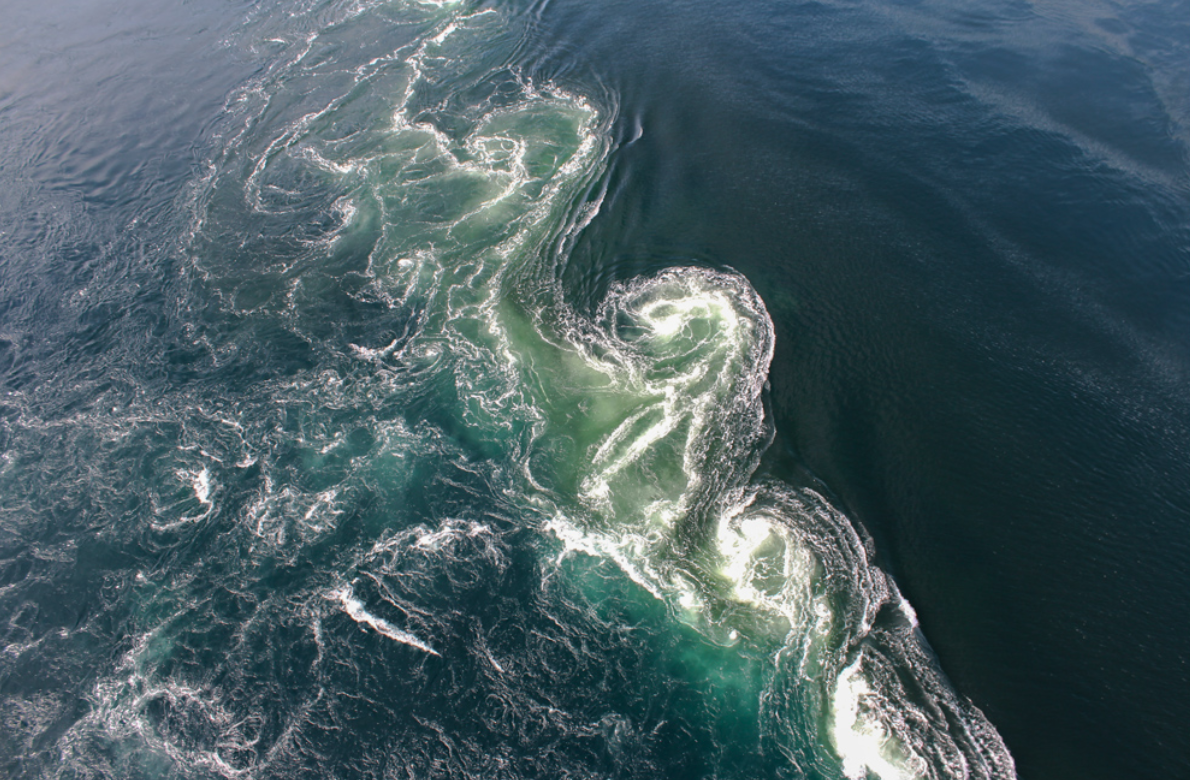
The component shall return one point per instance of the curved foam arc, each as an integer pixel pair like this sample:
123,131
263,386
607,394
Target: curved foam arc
664,320
769,568
672,386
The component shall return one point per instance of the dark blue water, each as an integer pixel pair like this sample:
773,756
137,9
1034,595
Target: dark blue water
566,389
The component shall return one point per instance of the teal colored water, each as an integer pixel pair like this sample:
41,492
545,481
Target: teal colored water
392,390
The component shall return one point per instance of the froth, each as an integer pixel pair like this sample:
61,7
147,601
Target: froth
663,487
863,741
356,610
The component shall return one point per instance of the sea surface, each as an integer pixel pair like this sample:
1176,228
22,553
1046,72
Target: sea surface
595,389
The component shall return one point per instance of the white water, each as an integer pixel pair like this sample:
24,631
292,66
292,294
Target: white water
355,608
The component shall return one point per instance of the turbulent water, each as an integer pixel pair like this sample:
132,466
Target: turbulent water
336,446
361,492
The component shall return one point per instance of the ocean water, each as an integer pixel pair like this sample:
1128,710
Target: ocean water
419,389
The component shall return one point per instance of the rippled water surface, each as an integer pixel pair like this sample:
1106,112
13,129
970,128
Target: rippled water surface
422,389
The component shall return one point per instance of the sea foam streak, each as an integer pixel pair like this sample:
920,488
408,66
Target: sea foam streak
355,608
447,188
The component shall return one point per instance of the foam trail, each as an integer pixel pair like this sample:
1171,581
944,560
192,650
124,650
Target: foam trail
355,609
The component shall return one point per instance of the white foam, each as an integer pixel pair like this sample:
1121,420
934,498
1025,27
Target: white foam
597,545
201,485
201,482
907,610
862,741
279,517
355,609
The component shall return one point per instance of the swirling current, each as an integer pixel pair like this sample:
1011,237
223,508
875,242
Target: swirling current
393,505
